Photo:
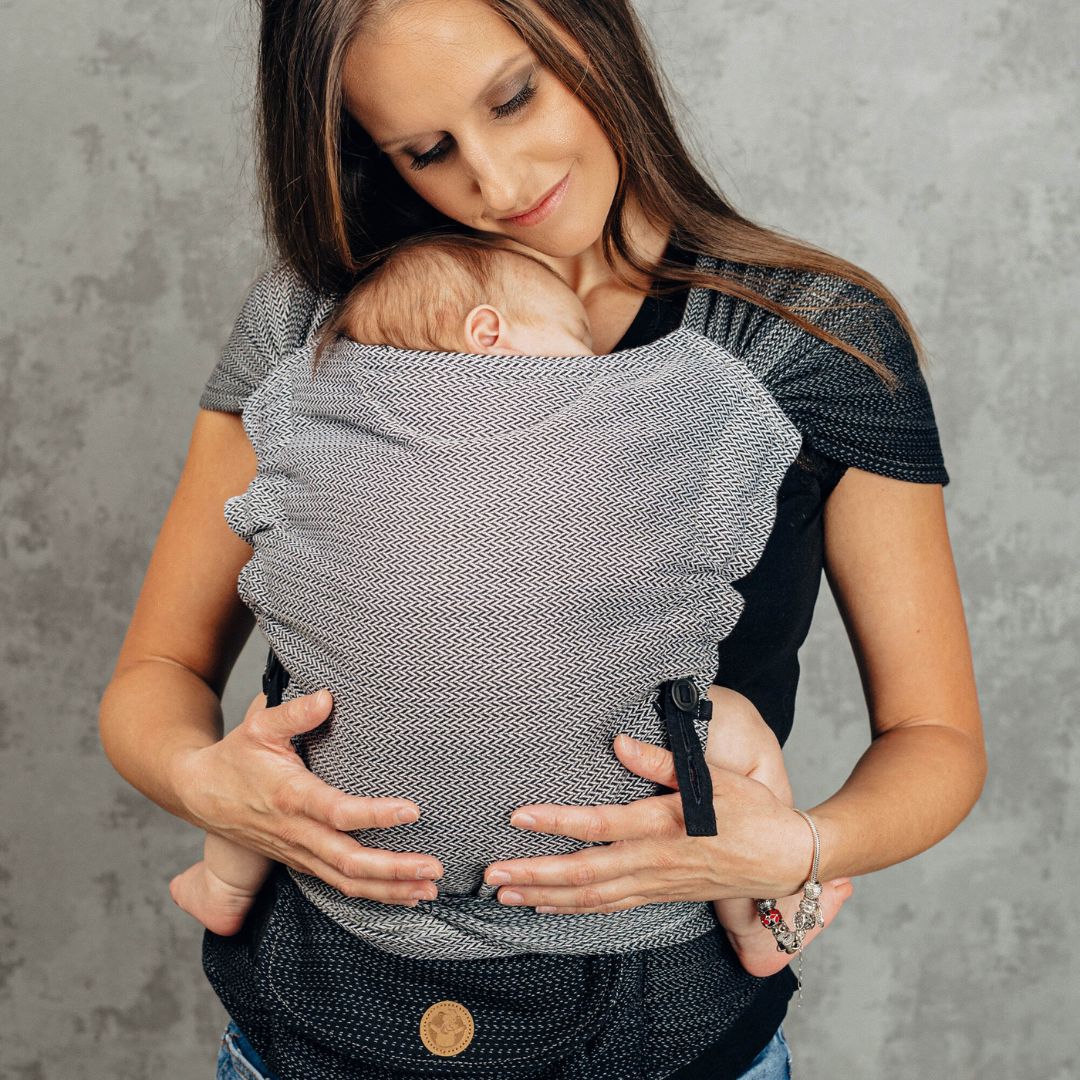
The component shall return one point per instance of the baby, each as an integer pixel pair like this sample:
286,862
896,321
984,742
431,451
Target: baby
514,304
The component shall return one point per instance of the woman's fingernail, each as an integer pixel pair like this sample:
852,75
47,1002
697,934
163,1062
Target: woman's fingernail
524,821
406,813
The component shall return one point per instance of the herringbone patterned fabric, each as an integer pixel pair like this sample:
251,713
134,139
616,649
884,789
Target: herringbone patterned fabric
319,1003
297,992
491,562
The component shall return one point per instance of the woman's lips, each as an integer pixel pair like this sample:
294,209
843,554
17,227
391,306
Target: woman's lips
546,207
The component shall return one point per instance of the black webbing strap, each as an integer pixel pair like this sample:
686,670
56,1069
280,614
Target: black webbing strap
679,704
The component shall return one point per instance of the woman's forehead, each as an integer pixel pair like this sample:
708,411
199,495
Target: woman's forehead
425,60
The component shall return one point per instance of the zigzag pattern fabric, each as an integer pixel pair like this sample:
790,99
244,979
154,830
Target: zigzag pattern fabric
492,562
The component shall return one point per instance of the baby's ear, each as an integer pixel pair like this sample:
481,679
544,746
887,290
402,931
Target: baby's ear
484,327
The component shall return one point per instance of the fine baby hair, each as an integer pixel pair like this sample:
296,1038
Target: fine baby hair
453,292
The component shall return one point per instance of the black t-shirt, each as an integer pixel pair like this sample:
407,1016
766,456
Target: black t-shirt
847,417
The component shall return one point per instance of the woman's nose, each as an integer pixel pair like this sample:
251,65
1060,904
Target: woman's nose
500,194
499,184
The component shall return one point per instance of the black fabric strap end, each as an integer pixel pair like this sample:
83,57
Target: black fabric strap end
680,706
275,679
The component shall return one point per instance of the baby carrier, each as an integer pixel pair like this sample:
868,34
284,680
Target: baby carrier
495,564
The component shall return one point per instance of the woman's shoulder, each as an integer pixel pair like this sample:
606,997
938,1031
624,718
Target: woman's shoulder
279,314
767,340
845,410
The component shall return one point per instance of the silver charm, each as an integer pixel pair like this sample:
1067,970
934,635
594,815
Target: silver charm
789,939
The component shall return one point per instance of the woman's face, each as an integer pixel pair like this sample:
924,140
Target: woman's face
474,123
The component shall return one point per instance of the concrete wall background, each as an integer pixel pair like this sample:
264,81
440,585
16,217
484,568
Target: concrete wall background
935,144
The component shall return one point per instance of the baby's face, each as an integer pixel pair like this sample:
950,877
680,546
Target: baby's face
559,324
547,319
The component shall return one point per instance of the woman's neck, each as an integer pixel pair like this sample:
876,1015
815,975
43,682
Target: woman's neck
611,305
589,271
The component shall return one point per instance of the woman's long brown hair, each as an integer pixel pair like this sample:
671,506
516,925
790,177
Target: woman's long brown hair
332,201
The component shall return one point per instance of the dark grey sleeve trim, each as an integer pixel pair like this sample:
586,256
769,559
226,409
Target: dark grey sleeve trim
921,472
861,422
842,407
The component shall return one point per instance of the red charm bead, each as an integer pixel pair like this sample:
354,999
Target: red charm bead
771,918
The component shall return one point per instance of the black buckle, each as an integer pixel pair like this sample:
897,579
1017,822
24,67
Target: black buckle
679,704
275,679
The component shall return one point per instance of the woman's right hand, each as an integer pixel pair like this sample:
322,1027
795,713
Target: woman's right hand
252,787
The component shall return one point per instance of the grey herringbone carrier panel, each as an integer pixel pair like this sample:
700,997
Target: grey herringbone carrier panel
491,562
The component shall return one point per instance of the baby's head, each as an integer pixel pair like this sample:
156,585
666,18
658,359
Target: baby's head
456,293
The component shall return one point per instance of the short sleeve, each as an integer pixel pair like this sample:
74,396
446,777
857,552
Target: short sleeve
846,412
270,423
278,315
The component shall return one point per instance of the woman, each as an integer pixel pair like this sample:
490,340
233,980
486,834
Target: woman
542,122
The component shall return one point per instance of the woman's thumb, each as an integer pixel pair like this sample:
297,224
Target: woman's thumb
296,715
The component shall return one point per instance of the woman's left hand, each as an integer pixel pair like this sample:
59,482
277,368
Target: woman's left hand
763,849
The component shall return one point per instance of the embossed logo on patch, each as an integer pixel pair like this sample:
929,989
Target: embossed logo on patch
446,1028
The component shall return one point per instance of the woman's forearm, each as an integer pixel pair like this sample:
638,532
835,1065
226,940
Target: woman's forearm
910,789
149,715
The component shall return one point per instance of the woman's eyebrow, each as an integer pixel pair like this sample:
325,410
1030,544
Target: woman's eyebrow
509,62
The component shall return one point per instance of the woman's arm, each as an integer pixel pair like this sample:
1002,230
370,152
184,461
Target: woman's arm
889,564
160,719
189,625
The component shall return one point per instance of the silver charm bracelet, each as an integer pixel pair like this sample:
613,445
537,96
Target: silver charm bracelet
790,939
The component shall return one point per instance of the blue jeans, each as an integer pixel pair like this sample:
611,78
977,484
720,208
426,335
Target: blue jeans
774,1061
237,1059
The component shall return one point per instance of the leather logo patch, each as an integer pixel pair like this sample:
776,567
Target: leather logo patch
446,1028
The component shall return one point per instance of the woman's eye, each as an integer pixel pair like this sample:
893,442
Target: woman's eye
425,159
515,104
518,101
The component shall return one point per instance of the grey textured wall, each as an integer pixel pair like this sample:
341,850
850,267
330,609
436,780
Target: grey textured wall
936,144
